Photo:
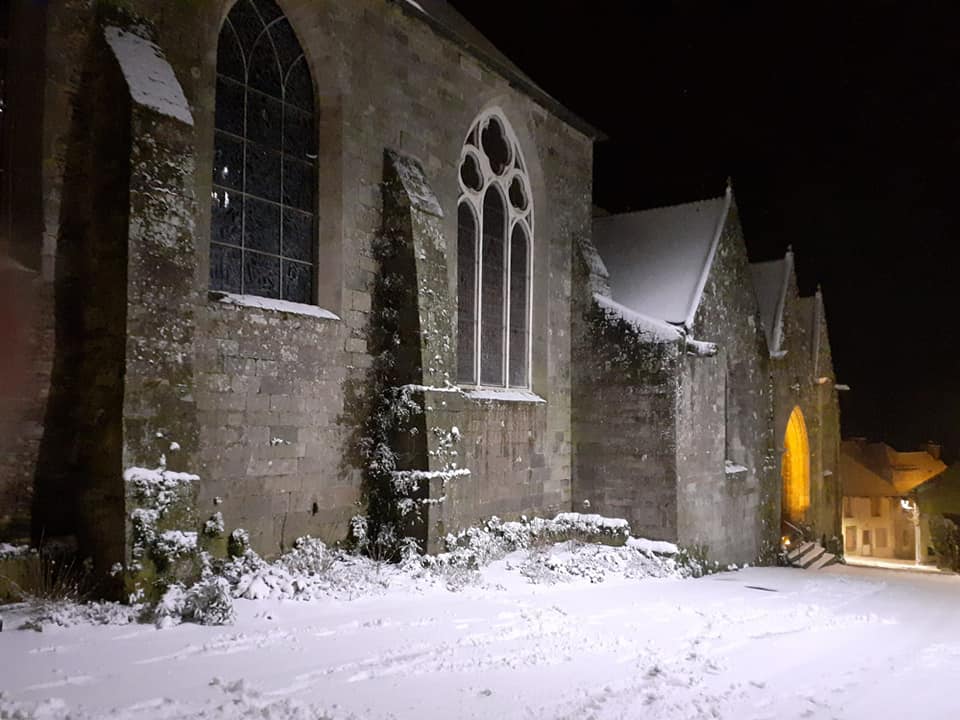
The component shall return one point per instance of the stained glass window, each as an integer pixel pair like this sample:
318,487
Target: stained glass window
262,239
494,258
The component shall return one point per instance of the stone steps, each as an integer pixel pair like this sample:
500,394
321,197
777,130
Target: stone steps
810,556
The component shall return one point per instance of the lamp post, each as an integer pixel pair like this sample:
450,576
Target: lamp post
911,507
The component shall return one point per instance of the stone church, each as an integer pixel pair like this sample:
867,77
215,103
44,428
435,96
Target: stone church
704,401
310,255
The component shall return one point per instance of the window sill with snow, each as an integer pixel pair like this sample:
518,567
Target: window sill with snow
264,303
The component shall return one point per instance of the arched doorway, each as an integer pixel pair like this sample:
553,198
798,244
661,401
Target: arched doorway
795,469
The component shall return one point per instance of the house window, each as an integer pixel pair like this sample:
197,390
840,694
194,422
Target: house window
875,506
881,537
263,239
866,538
847,511
494,258
850,538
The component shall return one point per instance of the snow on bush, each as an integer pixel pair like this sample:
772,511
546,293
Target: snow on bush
477,546
207,602
66,613
545,551
158,485
175,543
309,571
11,551
573,560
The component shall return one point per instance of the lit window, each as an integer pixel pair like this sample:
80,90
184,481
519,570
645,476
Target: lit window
262,226
494,258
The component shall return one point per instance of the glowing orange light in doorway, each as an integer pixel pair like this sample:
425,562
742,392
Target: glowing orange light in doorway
795,469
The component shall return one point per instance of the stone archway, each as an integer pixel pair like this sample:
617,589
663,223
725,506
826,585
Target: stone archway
795,469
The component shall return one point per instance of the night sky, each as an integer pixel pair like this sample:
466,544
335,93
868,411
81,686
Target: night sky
839,123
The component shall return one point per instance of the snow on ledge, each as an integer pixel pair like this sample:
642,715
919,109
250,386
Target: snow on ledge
592,520
263,303
416,475
731,468
505,395
414,387
158,476
655,546
10,551
657,330
150,79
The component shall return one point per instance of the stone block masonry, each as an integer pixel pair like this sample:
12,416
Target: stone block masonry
263,403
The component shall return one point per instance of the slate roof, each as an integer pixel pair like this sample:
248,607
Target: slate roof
445,19
770,283
860,481
862,464
659,259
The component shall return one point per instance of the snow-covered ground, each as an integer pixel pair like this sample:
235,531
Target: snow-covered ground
758,643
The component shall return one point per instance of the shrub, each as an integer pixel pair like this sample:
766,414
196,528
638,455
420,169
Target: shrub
945,538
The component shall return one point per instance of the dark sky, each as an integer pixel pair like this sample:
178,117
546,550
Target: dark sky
839,123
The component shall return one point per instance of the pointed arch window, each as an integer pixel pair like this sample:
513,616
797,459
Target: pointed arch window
494,257
263,237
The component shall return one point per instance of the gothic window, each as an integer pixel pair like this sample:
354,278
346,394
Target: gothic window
263,237
494,258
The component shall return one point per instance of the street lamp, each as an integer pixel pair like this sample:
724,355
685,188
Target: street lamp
910,506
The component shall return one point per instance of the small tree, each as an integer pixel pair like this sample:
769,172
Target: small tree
945,538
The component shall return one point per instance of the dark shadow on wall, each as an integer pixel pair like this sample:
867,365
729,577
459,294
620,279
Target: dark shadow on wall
79,484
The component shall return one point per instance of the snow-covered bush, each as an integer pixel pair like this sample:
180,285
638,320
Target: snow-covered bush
694,560
207,602
308,571
945,539
478,546
574,560
238,543
65,613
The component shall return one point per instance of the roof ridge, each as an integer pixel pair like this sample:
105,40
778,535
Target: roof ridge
662,207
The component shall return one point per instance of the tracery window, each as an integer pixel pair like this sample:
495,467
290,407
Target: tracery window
263,239
494,257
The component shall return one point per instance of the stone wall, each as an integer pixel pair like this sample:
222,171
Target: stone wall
274,395
804,378
80,457
624,418
27,292
725,412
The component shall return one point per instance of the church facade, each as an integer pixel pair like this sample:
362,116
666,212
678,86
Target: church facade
316,256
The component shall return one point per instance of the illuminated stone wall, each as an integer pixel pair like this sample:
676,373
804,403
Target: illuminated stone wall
726,477
264,404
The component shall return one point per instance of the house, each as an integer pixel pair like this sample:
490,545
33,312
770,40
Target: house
678,400
876,479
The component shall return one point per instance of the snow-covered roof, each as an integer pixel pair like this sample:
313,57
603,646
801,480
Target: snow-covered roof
443,17
648,327
659,259
149,77
770,282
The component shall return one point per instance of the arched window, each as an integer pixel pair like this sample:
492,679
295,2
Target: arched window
262,227
494,258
